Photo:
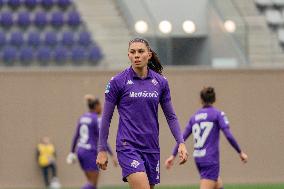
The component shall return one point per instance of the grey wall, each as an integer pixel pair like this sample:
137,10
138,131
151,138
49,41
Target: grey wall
174,11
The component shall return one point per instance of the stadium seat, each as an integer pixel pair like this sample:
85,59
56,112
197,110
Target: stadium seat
60,55
84,39
30,4
26,56
40,19
95,55
1,3
17,39
43,55
50,39
2,39
9,55
73,19
274,18
78,55
47,4
24,19
263,4
279,4
63,4
57,19
33,39
68,38
7,19
14,4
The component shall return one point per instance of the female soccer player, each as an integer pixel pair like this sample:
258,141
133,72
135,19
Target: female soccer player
205,125
86,141
136,92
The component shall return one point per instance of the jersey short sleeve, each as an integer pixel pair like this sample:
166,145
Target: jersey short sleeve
223,120
112,91
166,94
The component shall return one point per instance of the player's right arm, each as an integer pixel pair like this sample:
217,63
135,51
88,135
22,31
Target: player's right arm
111,98
71,157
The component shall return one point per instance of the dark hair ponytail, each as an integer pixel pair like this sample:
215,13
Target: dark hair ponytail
208,96
154,63
92,103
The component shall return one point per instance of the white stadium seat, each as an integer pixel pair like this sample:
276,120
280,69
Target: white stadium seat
263,4
274,18
278,3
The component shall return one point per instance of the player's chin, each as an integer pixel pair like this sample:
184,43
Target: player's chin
138,65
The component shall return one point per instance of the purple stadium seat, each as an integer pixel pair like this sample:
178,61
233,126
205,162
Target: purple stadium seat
14,4
84,39
2,39
30,4
26,56
57,19
43,55
63,3
1,3
68,38
78,55
17,39
33,39
40,19
24,19
60,55
7,19
50,39
47,4
9,55
73,19
95,55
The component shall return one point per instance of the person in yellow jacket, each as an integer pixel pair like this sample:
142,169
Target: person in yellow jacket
46,159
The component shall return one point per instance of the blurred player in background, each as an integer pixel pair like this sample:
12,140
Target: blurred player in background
137,92
46,160
86,140
205,125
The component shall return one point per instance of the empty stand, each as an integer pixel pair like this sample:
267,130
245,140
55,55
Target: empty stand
44,32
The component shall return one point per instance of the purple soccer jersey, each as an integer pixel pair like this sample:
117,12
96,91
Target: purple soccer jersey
205,125
87,132
137,102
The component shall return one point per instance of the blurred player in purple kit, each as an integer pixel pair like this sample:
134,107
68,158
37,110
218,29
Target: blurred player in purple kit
86,141
137,92
205,125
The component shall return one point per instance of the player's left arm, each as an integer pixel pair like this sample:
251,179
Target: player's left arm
224,125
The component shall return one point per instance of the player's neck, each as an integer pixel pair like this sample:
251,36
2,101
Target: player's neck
141,72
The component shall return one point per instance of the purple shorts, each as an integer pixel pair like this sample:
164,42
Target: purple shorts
132,161
87,159
208,171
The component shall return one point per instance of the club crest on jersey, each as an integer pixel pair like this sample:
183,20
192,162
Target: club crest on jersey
154,81
135,164
129,82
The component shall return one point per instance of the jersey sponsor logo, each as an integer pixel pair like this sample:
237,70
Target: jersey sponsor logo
144,94
154,81
134,164
129,82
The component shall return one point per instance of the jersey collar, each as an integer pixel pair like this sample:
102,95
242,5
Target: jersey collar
135,76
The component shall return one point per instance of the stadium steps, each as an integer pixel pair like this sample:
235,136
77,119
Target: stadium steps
263,45
109,29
